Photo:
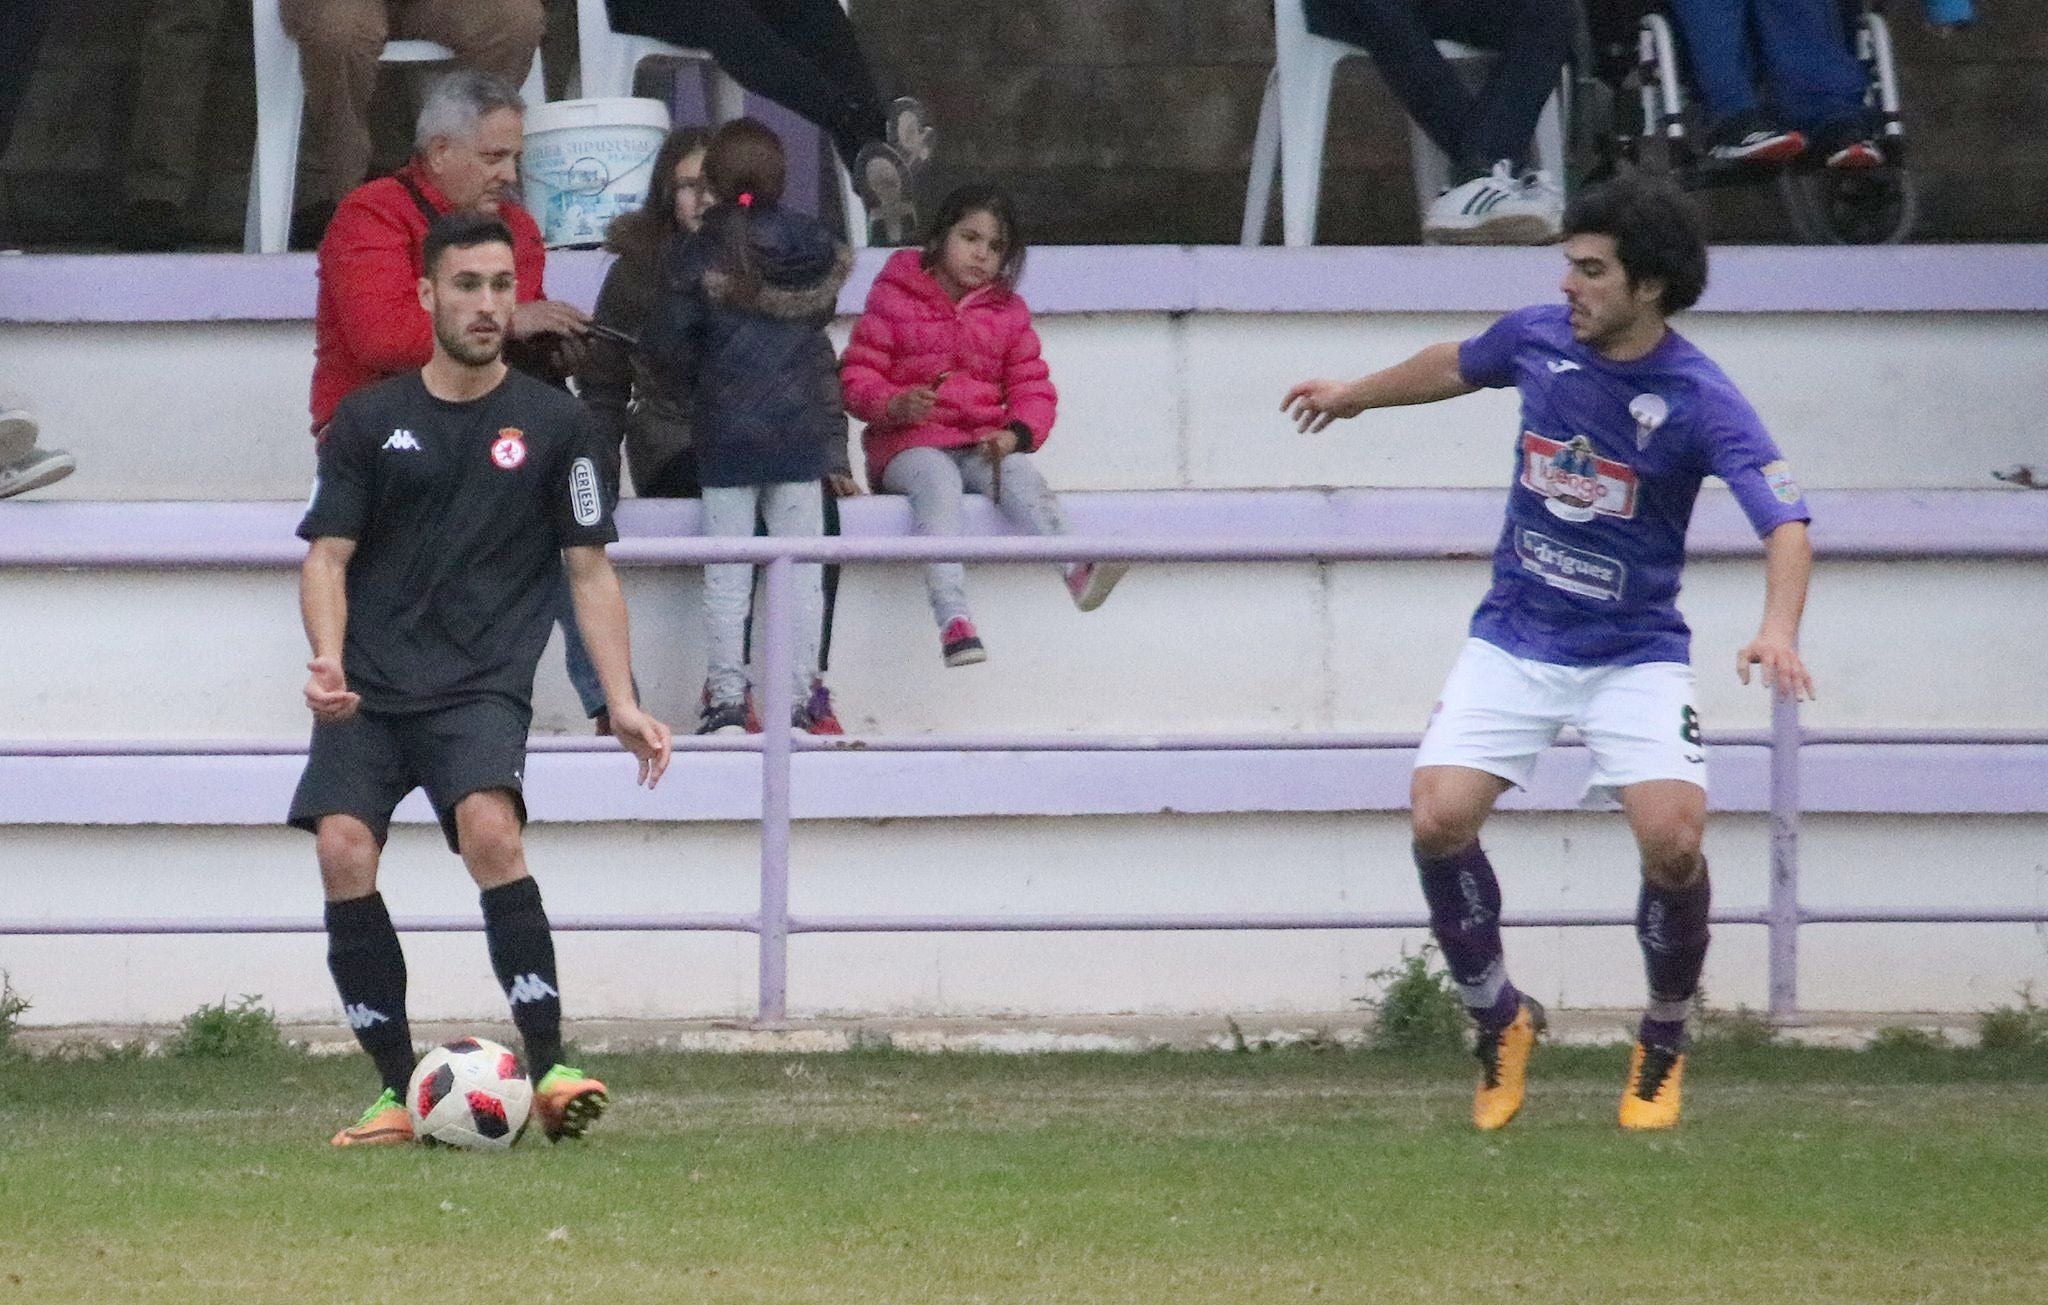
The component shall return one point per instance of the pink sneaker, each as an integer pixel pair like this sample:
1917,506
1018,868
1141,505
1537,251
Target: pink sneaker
963,646
1089,583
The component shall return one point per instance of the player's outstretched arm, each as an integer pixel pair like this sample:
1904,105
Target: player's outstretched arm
601,617
323,605
1427,377
1788,566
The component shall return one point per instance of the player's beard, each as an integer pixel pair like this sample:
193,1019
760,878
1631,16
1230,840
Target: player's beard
457,344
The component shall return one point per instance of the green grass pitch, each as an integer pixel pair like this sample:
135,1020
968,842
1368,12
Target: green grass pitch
1799,1176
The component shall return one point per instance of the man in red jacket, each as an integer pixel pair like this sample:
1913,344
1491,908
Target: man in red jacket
369,324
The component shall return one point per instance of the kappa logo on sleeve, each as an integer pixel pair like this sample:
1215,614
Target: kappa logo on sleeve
585,497
510,449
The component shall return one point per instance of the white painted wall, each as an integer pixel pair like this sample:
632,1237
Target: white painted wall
1179,649
1191,864
1149,401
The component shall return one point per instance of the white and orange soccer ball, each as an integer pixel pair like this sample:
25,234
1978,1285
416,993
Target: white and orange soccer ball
470,1093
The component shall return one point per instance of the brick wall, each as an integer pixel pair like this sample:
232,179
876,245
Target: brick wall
1112,120
1132,120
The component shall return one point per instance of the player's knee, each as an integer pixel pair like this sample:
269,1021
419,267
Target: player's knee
492,845
1438,827
1671,856
348,859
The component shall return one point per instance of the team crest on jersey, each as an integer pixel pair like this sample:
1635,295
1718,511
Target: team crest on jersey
510,449
1576,483
1650,411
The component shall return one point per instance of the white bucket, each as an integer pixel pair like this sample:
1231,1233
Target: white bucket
587,161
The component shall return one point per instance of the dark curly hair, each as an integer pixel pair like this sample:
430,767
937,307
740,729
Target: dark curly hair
1656,235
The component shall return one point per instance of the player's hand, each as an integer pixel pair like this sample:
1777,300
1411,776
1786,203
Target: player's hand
997,444
839,486
646,738
1315,404
907,407
1783,670
547,317
327,693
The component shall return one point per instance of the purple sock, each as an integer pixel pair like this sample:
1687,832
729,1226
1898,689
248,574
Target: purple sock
1671,925
1464,916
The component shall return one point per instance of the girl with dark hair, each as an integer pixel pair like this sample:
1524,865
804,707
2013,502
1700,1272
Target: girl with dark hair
628,408
740,329
944,367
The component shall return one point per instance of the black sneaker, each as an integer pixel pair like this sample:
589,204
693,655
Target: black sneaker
723,718
1850,143
1749,138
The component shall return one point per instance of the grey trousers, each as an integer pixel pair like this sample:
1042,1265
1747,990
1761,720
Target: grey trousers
934,480
790,508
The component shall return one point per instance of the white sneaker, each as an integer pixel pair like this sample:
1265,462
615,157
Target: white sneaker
1496,209
17,428
41,467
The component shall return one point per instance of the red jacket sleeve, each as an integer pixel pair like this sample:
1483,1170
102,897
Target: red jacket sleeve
529,255
864,371
1027,385
367,262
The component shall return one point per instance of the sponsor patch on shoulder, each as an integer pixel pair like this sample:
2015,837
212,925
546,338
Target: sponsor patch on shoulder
584,496
1778,475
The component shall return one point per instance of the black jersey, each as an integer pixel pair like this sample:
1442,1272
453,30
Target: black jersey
459,512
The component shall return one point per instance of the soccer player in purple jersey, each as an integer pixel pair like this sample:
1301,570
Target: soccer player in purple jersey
1622,418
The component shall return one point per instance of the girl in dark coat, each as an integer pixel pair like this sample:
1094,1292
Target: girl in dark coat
740,329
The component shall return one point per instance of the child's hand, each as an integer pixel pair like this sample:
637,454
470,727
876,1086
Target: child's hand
997,444
913,405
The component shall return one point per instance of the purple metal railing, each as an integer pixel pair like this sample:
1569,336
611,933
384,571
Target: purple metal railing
1782,915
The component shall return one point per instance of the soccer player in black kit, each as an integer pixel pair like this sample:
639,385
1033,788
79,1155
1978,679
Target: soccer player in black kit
447,502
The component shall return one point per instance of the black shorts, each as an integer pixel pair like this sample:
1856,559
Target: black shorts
364,766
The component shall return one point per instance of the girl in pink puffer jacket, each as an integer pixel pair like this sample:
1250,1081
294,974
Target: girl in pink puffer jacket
945,370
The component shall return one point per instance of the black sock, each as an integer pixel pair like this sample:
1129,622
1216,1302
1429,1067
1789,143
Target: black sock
368,967
523,954
1671,925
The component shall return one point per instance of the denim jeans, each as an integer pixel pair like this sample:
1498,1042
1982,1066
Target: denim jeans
1814,79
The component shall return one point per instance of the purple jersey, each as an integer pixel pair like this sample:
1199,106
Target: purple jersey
1610,459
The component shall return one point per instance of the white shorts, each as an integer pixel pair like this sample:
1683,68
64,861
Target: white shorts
1499,712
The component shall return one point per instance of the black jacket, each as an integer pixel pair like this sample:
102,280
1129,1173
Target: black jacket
762,380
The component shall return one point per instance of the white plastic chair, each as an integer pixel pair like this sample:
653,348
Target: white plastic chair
609,59
281,108
1294,119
